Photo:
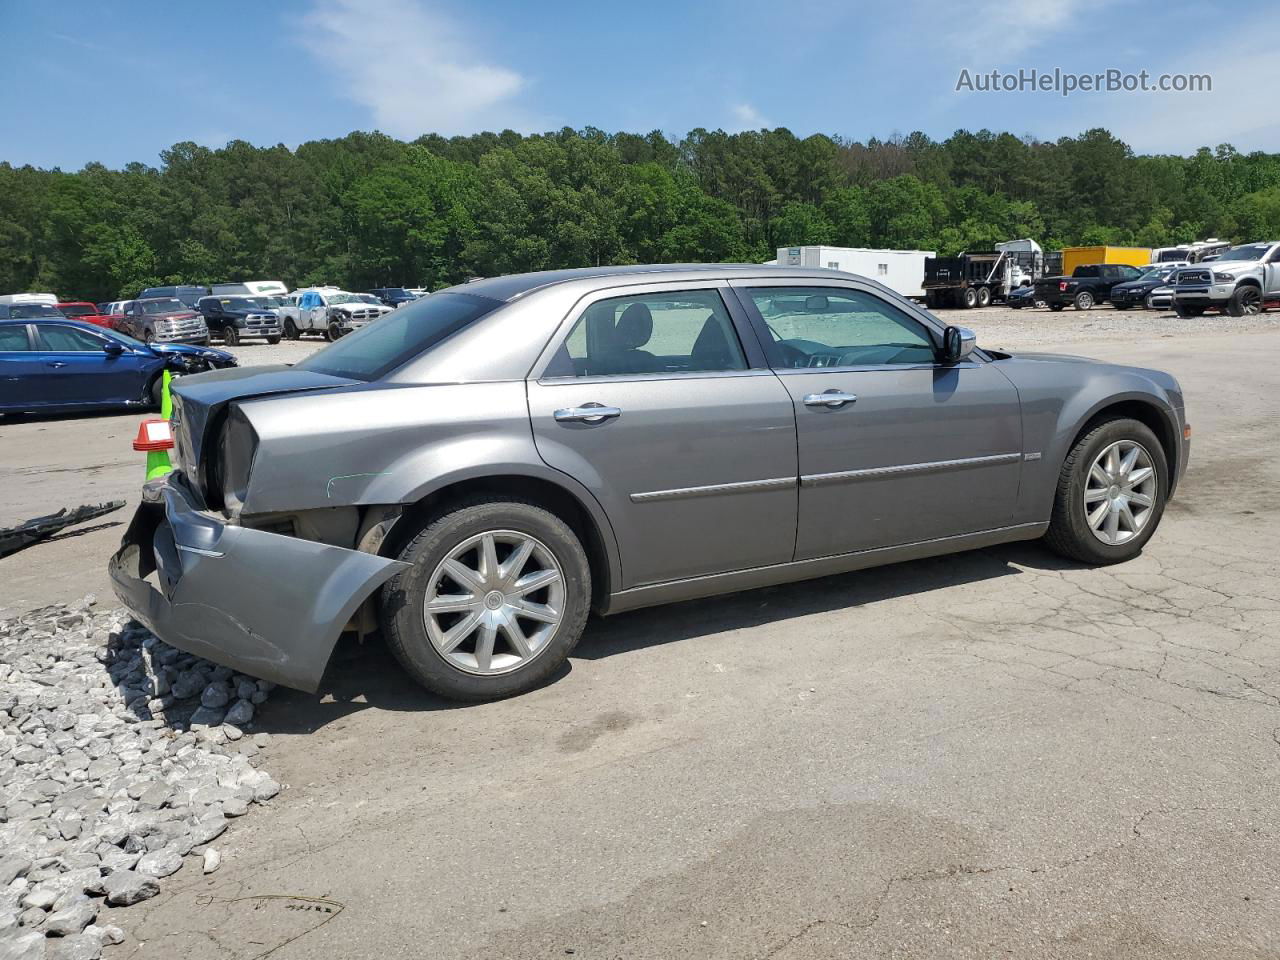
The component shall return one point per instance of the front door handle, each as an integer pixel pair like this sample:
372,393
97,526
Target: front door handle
587,413
834,399
56,363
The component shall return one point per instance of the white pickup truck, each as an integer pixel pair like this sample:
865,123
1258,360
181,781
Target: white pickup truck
328,311
1239,282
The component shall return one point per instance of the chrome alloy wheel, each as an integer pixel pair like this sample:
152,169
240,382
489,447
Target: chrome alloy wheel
495,602
1120,492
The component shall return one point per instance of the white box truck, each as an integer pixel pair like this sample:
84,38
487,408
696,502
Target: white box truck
899,270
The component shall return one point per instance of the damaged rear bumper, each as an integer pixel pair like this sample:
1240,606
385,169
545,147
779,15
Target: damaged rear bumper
265,604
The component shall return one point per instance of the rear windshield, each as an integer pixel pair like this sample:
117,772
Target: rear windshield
78,310
29,311
399,336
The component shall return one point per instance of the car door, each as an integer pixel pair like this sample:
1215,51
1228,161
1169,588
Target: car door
652,399
1273,273
895,447
19,386
78,368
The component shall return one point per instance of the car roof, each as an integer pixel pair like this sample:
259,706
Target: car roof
65,321
518,284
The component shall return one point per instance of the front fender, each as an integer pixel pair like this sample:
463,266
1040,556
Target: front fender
1059,396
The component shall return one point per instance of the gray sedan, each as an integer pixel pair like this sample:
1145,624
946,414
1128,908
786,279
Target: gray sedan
479,470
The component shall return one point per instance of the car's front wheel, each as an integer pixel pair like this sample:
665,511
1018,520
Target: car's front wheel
497,597
1084,300
230,336
1111,493
291,330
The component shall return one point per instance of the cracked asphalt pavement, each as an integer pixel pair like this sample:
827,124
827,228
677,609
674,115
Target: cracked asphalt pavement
993,754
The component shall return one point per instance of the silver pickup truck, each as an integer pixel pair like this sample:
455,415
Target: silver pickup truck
1239,282
328,311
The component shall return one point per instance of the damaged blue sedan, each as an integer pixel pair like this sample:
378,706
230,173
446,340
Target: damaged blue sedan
477,472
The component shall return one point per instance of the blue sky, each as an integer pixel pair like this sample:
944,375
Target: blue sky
116,81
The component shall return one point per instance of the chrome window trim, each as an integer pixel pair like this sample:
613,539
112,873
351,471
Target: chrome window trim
646,377
713,489
847,476
875,368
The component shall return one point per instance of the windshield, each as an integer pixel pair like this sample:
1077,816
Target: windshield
121,337
1254,251
78,310
241,303
344,298
399,336
25,311
366,298
1156,273
269,301
167,305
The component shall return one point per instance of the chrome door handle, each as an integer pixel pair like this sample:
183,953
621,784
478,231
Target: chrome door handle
56,363
834,399
587,413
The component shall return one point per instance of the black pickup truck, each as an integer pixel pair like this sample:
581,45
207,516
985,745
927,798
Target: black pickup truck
1088,286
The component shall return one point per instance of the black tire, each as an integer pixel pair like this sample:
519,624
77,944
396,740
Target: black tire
1122,306
984,296
968,298
1187,312
1245,302
1069,533
291,330
149,337
273,340
334,332
1084,300
230,336
403,620
1056,307
155,391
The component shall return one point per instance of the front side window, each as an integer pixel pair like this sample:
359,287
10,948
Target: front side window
62,339
13,338
687,331
838,327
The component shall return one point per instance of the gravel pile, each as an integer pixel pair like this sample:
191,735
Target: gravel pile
120,757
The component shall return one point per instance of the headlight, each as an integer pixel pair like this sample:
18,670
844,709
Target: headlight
1223,277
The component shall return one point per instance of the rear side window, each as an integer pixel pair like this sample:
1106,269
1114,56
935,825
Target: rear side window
681,332
13,338
399,336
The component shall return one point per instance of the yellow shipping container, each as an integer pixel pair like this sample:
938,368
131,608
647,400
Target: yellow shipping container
1073,257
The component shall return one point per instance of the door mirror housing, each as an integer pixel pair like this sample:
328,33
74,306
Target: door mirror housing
957,343
113,349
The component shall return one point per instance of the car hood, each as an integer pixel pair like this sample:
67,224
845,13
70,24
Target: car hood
199,399
1141,286
188,350
175,315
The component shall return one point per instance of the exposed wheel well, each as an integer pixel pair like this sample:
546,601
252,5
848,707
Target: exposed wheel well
544,493
1144,413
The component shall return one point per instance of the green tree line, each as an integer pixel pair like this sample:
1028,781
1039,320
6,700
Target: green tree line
369,210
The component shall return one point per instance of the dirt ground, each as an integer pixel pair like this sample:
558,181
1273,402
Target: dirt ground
991,754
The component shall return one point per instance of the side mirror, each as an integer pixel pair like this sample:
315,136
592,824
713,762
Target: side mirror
113,349
957,343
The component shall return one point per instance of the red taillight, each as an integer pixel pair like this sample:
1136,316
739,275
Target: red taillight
1062,286
153,435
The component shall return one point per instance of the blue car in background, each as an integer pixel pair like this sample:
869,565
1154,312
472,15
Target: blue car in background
50,365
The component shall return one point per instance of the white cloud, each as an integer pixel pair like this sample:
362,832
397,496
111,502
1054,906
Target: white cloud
419,76
746,117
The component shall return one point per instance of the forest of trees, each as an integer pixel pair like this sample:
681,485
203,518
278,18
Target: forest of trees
368,210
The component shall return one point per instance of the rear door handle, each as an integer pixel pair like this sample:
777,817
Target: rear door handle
56,363
834,399
587,413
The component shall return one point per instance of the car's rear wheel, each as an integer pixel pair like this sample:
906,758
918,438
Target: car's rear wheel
969,298
1245,302
984,296
496,599
1111,493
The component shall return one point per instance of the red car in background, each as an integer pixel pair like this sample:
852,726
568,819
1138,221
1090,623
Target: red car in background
85,313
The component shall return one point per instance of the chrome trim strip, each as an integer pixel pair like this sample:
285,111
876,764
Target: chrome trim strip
681,493
844,476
